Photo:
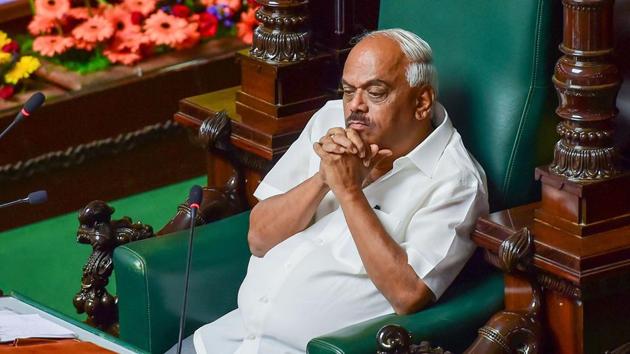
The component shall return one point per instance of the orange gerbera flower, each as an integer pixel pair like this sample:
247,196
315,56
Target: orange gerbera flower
245,28
81,44
41,24
143,6
234,5
129,41
125,58
80,13
192,37
52,8
120,18
52,45
165,29
94,30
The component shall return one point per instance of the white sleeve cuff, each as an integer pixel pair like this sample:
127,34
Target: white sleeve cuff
265,191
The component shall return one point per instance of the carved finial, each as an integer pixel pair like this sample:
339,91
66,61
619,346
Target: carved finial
215,131
516,250
393,339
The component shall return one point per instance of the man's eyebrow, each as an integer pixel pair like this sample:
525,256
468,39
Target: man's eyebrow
373,82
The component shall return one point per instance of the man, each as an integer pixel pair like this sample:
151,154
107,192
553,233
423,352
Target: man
367,213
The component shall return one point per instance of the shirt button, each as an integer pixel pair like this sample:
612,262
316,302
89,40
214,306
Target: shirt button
264,299
250,337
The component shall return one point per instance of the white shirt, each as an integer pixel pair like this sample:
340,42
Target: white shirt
314,282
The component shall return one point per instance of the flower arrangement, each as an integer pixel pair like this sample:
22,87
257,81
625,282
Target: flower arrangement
96,33
14,68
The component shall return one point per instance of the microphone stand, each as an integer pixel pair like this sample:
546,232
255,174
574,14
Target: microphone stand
193,216
15,202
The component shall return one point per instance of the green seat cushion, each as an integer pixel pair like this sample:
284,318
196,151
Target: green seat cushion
44,262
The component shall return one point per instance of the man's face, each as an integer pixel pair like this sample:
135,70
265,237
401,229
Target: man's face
377,100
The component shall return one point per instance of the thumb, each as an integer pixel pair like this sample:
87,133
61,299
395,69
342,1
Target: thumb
380,155
370,155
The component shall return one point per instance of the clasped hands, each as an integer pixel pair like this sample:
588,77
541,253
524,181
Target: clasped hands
346,160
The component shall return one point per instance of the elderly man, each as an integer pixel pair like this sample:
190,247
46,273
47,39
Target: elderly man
367,213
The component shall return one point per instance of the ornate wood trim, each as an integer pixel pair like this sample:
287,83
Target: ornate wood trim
104,235
81,153
587,82
395,339
218,201
514,331
283,34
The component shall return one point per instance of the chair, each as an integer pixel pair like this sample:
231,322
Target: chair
495,60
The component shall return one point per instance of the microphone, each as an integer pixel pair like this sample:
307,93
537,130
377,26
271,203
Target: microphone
194,199
36,100
33,198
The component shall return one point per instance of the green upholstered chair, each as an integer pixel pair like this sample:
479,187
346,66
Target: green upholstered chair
495,60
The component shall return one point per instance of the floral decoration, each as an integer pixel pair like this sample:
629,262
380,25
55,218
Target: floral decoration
93,34
14,67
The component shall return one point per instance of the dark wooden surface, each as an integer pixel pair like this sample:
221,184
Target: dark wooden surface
92,136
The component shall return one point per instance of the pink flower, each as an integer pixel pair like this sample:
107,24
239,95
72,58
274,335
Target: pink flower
165,29
52,8
121,19
143,6
234,5
192,37
41,25
96,29
245,28
81,44
52,45
131,42
79,13
125,58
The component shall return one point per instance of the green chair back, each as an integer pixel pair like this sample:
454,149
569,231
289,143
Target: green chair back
495,60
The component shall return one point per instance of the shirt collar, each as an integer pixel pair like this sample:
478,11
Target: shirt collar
426,154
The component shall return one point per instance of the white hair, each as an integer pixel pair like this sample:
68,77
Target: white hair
420,70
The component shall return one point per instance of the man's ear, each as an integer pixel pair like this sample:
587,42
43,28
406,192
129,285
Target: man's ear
424,102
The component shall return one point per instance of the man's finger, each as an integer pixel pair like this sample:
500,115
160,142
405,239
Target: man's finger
319,150
355,138
345,142
372,151
331,147
336,131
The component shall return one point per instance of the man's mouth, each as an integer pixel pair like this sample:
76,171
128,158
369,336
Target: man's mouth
357,125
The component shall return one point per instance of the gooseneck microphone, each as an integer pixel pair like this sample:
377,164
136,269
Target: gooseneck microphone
33,198
194,199
36,100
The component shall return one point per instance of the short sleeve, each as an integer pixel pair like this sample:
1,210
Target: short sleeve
297,163
437,239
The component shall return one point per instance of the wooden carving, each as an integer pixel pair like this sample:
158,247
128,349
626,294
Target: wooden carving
514,331
394,339
283,34
218,201
104,235
587,82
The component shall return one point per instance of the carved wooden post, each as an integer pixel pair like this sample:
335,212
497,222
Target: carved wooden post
283,35
104,234
587,82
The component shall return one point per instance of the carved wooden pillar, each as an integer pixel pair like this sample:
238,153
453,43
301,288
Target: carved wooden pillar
582,224
587,82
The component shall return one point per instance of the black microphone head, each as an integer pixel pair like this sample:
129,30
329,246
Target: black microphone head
34,102
195,196
37,197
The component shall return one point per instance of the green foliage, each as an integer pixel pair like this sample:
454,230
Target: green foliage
82,61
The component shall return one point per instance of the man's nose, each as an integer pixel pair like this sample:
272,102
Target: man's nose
358,103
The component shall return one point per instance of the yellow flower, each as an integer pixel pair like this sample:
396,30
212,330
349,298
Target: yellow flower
4,39
5,57
23,69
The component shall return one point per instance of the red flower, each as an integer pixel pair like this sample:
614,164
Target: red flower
137,17
245,28
208,24
180,11
6,91
11,47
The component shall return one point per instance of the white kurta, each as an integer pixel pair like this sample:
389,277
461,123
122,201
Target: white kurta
314,282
